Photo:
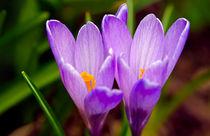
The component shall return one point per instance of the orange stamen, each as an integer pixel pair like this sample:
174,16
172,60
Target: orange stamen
89,80
142,72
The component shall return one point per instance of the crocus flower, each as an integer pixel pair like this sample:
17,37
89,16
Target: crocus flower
144,63
85,71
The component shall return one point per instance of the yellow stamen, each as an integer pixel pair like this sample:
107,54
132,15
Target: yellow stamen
89,80
142,72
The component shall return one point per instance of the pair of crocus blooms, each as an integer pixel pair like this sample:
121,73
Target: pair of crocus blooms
140,65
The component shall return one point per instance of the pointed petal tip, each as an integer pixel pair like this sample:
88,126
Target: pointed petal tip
185,22
116,35
152,15
107,17
147,43
122,13
89,49
50,23
89,24
61,41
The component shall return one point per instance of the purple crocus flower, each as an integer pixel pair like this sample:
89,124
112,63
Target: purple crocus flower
86,72
144,63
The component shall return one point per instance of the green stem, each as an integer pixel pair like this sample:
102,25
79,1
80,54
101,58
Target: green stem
130,23
44,105
166,16
87,16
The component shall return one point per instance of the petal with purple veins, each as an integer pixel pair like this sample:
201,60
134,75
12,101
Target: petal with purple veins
116,36
147,43
89,50
61,41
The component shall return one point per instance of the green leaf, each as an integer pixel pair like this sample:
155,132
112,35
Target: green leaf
2,18
165,108
18,30
44,105
17,91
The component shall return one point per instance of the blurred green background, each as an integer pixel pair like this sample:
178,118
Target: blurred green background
184,106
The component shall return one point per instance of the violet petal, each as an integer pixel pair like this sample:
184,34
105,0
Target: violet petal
157,71
98,103
106,73
74,84
143,98
126,79
61,41
175,40
89,50
116,36
146,46
122,13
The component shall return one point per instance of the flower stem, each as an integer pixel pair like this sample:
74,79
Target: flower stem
130,23
44,105
87,16
166,16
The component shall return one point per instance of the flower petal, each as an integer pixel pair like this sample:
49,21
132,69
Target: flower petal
116,36
89,50
61,41
122,13
143,98
98,103
175,40
101,100
126,79
106,72
157,71
74,84
146,46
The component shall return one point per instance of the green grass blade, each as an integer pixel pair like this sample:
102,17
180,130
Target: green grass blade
44,105
7,97
166,17
163,110
130,21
